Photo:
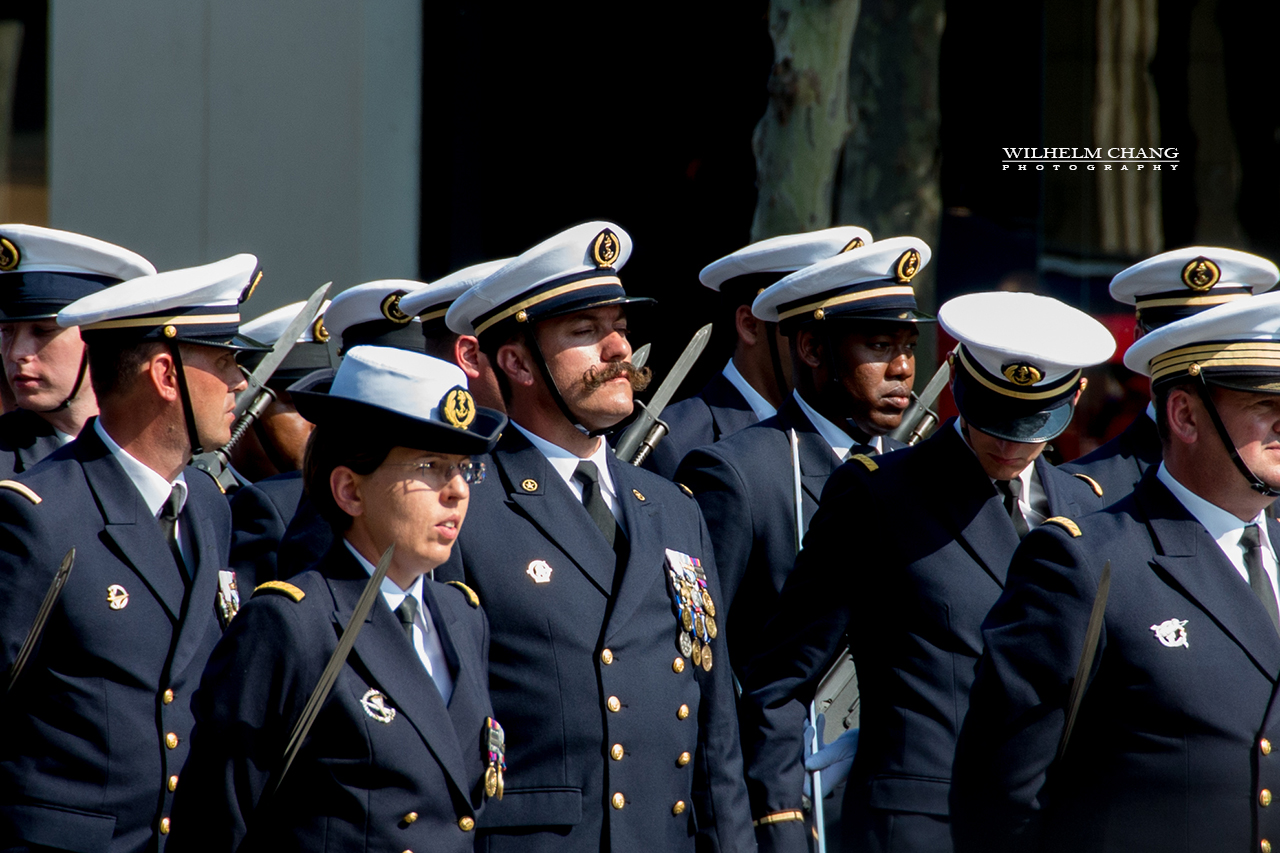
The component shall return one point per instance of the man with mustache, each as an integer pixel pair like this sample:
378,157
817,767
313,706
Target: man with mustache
907,581
606,665
46,366
852,324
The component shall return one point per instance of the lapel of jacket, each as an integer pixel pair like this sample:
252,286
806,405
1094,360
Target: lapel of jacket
537,491
645,558
730,411
1193,560
393,664
817,460
44,440
467,705
1056,489
128,524
973,510
208,557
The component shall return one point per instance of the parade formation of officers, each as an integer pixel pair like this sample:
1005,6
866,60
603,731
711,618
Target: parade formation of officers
434,610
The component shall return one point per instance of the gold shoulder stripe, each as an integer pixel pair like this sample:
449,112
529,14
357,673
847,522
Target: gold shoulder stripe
468,591
1093,484
688,491
280,588
25,491
865,460
1066,524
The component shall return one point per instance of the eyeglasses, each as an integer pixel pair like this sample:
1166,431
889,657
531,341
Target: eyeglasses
436,474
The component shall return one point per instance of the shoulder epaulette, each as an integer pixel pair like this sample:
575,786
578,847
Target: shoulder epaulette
280,588
1093,484
688,491
468,592
1066,524
25,491
865,460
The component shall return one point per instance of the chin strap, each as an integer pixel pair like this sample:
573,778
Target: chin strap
75,389
187,413
1254,482
538,358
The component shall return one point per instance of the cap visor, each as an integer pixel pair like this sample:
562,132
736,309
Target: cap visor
1029,429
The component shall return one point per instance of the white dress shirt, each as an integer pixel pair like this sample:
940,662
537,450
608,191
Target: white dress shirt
1224,527
837,439
154,488
762,407
565,463
426,639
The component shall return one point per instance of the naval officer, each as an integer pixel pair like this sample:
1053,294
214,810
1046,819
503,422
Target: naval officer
1172,744
97,726
1168,287
908,583
606,665
852,324
757,376
406,750
42,271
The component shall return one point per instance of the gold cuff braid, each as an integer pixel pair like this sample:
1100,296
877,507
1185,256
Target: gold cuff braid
779,817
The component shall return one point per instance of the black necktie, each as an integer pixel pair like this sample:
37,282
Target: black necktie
1011,489
589,476
1251,544
408,612
169,526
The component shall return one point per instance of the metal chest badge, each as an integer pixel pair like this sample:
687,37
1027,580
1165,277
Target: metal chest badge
695,611
1172,633
375,705
117,597
495,750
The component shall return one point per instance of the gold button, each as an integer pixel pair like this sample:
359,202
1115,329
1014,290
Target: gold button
606,657
466,824
683,759
678,808
683,713
168,697
619,801
1264,797
1266,846
173,783
164,826
171,740
616,752
410,817
1265,746
614,704
677,665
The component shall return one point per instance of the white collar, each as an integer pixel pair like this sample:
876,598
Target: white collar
154,488
837,439
1223,526
565,463
762,407
390,590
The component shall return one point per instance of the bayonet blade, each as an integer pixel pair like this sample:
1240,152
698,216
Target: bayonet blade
1091,637
42,618
632,437
289,337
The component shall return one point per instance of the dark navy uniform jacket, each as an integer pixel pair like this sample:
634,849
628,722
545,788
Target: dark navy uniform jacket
717,411
908,579
1172,748
744,486
412,782
97,728
260,514
1118,465
584,674
25,439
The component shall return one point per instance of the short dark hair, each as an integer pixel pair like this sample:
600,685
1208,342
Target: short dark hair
440,346
327,449
115,361
490,346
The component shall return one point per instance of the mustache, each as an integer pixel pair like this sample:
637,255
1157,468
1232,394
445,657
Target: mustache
597,376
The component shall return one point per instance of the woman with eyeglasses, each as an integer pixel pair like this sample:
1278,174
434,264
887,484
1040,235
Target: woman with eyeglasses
404,752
